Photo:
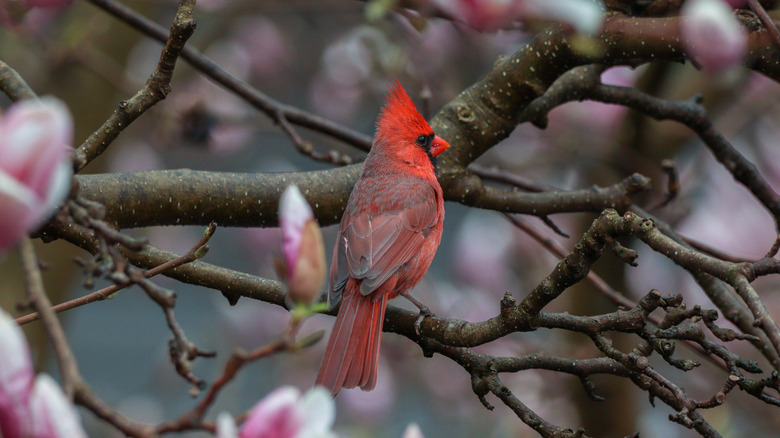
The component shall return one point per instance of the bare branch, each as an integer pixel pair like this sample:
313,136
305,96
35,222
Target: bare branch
156,89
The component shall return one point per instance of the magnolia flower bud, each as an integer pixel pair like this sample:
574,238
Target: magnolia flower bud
35,170
284,413
304,251
712,36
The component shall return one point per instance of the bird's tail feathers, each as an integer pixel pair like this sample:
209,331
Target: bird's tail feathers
352,355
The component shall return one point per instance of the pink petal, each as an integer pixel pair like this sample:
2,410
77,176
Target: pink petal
34,140
19,205
54,415
482,15
16,379
274,416
712,35
294,212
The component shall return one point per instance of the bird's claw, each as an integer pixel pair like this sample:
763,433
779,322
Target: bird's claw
424,311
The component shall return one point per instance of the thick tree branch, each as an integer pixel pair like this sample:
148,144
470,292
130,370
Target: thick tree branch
188,197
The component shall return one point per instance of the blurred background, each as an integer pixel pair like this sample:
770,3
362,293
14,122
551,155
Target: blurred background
335,59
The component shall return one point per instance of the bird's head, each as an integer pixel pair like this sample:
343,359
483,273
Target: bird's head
402,131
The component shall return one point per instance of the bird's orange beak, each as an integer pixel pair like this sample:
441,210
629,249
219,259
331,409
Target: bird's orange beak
438,145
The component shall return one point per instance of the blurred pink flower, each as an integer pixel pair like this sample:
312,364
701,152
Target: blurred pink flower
712,36
53,4
285,413
348,61
16,379
374,406
588,115
481,251
413,431
30,409
347,68
585,15
304,251
482,14
339,102
34,166
269,59
53,415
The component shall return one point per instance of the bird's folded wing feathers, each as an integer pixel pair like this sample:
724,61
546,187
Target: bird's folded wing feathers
373,248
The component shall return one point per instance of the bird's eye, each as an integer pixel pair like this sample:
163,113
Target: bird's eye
421,140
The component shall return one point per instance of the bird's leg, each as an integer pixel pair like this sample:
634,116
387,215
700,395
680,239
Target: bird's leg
424,311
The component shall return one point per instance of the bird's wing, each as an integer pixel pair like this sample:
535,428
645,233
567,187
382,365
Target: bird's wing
371,247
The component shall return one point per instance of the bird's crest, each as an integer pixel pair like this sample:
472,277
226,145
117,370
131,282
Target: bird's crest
400,122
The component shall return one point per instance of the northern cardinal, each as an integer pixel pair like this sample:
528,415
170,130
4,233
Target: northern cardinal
387,239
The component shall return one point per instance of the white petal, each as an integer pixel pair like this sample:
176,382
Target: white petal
226,426
413,431
585,15
317,412
274,414
57,192
54,415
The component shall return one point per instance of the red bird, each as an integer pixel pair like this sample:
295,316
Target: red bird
387,239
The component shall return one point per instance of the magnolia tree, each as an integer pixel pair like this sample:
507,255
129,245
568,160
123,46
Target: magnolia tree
608,265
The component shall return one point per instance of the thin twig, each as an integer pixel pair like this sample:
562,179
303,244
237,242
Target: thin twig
193,418
196,252
37,294
253,96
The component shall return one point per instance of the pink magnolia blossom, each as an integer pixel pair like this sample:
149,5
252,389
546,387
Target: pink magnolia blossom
30,409
585,15
712,36
34,166
304,251
16,379
285,413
